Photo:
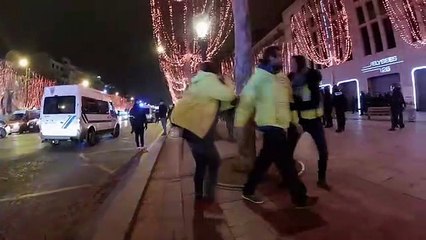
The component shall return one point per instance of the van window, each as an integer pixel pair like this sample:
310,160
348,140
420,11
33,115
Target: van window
93,106
59,105
17,117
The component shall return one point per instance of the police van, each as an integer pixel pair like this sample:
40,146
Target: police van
75,113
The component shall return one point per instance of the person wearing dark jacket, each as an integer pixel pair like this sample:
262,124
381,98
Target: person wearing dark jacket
328,108
162,115
139,124
307,98
397,107
340,104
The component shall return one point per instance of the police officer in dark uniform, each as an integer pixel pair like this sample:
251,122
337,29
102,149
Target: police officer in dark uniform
397,107
340,104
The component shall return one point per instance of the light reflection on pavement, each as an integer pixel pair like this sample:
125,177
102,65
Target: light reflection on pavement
39,183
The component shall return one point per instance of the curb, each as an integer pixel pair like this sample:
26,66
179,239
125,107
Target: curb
123,204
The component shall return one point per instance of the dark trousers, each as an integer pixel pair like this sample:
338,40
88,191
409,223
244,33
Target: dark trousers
315,128
207,159
328,119
276,150
229,119
341,120
139,137
397,118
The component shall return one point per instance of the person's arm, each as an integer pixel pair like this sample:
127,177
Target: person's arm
314,78
246,106
219,91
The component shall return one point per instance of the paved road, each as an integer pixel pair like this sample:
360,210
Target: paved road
46,192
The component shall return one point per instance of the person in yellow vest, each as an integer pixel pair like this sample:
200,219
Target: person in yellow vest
308,103
197,114
267,98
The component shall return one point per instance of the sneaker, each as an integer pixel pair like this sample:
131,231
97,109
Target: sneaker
339,130
310,201
392,129
253,198
402,126
324,185
144,149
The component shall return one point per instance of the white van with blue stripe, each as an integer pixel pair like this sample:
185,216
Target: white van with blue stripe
75,113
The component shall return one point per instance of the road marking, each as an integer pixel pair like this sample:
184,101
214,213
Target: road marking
31,195
103,168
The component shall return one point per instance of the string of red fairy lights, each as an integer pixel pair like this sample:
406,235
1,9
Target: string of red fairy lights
408,17
321,31
26,90
179,50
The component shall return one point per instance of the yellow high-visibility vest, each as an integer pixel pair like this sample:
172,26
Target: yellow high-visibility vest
311,113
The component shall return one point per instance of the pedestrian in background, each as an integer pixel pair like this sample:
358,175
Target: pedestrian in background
328,108
162,115
197,114
340,105
307,98
397,108
139,124
266,97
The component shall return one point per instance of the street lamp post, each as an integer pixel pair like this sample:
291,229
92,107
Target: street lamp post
24,63
202,28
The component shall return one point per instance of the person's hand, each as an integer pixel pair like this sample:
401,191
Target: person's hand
146,127
299,128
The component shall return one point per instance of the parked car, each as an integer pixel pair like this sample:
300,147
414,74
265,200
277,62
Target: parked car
4,129
24,121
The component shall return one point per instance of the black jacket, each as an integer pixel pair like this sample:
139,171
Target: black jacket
397,100
138,117
162,111
340,102
313,79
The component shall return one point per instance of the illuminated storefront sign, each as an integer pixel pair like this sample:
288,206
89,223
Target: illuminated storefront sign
381,65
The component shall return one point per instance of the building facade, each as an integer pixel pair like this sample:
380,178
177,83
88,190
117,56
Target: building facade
379,58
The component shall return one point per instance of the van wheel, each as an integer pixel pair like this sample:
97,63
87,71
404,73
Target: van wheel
116,132
91,137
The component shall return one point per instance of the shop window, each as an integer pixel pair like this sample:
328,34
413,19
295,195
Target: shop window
360,15
390,37
370,9
366,40
377,37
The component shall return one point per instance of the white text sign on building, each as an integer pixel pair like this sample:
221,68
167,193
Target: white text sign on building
382,65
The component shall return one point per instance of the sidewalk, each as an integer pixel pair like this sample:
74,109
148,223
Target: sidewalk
356,208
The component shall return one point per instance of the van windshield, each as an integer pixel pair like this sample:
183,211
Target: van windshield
59,105
17,117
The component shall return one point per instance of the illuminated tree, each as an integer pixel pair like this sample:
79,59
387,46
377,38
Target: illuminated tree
408,17
20,91
321,32
178,48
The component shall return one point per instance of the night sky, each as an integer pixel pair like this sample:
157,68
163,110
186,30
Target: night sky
110,38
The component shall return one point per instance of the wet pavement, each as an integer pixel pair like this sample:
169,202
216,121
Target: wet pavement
47,192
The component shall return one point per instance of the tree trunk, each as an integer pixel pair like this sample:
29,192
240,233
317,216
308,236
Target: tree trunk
243,70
